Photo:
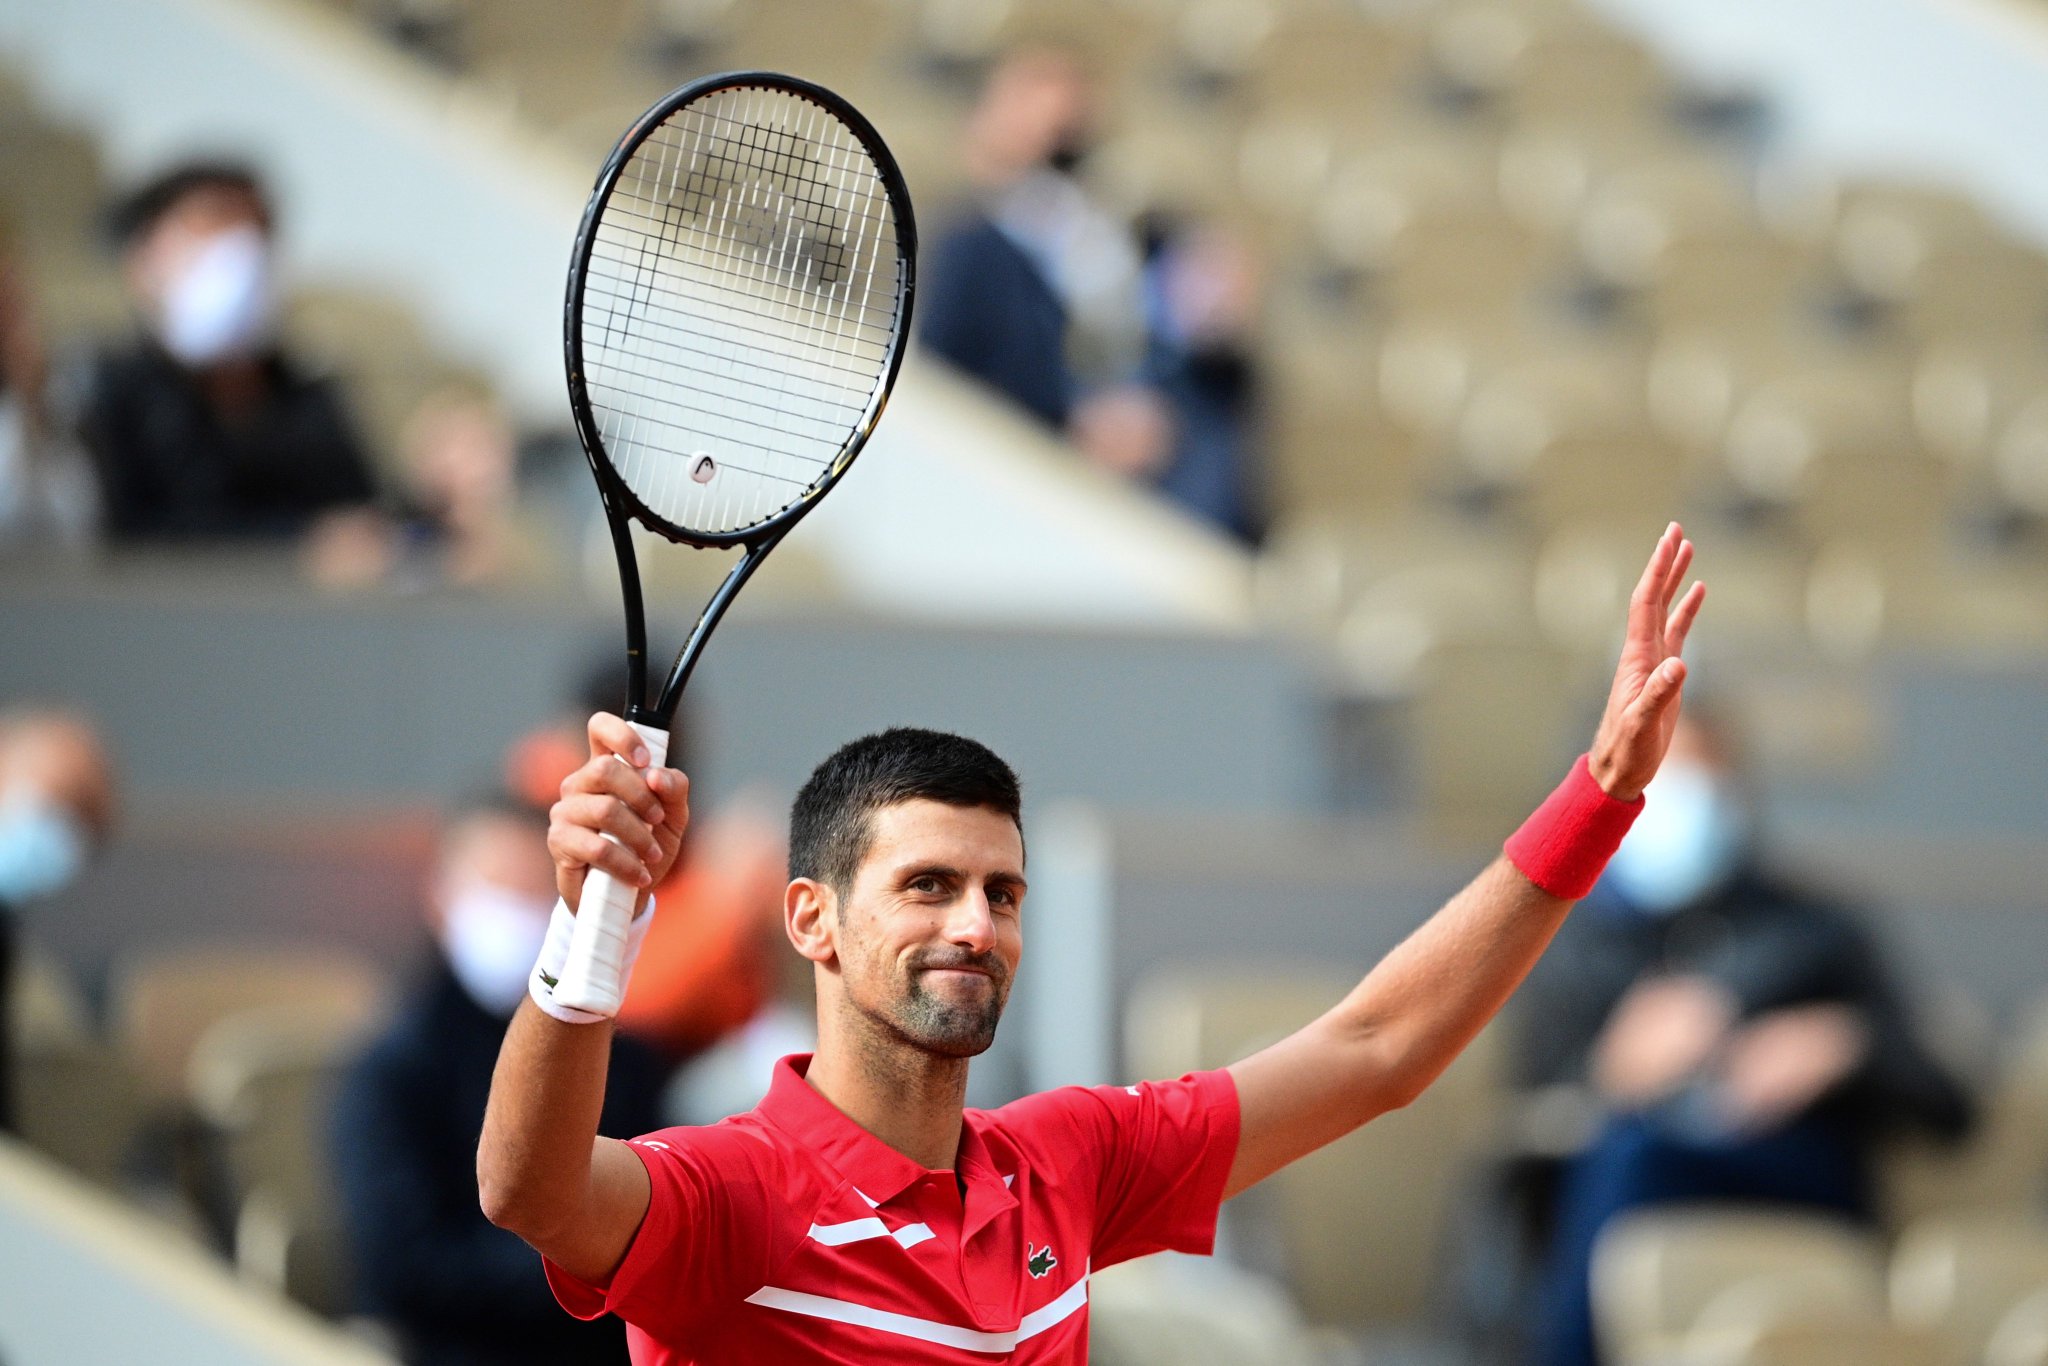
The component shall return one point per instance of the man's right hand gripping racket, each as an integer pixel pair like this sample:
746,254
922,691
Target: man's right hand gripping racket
738,303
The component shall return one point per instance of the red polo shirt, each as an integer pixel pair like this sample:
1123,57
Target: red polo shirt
791,1234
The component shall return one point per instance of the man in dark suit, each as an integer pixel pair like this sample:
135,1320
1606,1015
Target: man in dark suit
1132,350
201,426
1736,1036
458,1291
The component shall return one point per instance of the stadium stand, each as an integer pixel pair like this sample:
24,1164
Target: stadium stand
1524,303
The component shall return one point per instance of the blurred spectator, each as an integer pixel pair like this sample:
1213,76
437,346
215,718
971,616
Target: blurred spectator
1034,257
56,803
202,426
1043,295
1737,1037
1202,295
462,527
47,492
457,1290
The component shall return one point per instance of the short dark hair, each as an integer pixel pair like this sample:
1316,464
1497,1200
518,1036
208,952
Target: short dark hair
135,213
831,824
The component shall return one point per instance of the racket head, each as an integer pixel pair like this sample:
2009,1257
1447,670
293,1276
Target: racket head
738,306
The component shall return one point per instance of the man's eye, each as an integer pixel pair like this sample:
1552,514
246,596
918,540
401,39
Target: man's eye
1002,896
927,883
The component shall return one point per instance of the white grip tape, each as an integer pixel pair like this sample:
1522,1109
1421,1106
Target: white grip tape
554,952
593,979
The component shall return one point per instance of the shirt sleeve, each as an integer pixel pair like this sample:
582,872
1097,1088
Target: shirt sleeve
1162,1152
704,1233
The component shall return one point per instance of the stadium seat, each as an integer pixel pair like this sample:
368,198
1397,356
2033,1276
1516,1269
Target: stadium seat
1588,79
1636,216
1786,429
43,1000
1546,171
1334,445
1816,1342
1173,1311
259,1080
1541,61
2021,1338
261,1085
1316,63
1959,1275
163,1006
1169,160
1656,1272
1525,422
1474,262
1967,388
302,1256
1625,478
1725,278
1413,584
1934,259
2019,461
837,43
958,38
73,1097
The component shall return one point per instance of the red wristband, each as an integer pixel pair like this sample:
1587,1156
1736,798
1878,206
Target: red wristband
1564,847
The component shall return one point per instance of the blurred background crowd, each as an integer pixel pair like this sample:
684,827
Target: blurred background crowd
1316,373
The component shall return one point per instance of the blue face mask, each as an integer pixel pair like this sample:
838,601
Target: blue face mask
42,849
1685,846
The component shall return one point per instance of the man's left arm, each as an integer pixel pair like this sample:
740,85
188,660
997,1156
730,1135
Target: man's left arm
1397,1031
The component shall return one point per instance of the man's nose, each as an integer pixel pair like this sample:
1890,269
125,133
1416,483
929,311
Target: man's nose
970,924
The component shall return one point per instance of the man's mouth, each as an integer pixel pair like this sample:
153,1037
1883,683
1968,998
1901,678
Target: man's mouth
962,974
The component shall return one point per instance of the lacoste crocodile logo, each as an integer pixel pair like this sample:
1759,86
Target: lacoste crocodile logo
1041,1262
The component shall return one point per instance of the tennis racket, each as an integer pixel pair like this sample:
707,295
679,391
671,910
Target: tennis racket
738,302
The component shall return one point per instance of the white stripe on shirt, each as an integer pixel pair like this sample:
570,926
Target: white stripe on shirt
925,1330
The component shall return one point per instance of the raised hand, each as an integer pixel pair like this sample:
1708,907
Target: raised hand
1642,707
644,813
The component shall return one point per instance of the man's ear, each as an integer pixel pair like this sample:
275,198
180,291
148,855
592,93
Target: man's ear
810,917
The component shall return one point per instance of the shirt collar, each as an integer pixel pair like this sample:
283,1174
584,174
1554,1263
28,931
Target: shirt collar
875,1169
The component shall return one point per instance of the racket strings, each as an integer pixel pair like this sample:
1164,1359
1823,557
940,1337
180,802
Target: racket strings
740,307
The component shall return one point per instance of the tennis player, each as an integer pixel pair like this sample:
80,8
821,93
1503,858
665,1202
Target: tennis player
860,1213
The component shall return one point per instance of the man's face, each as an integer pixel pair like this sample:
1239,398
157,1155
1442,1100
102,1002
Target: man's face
930,934
157,259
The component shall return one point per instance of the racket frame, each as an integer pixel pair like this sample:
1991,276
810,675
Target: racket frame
620,502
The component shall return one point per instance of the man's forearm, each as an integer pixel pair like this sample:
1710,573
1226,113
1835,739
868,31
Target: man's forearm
1425,1001
533,1163
1396,1032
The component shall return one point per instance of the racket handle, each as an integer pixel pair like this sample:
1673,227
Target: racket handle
593,976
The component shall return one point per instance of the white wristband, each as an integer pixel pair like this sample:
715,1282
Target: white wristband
554,953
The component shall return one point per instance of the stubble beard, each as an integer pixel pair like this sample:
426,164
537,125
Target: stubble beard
952,1029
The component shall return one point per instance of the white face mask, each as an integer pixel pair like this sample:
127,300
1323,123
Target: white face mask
492,937
1686,844
221,303
42,849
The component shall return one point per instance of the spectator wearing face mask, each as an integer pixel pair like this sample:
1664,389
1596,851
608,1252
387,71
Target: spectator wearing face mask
1732,1036
456,1290
1136,356
1034,289
56,804
201,426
